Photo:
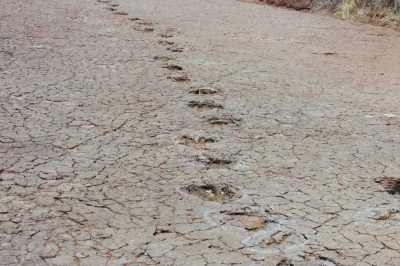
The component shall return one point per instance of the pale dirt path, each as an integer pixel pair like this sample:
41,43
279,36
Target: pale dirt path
100,140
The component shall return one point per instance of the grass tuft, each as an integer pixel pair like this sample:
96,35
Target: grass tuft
348,9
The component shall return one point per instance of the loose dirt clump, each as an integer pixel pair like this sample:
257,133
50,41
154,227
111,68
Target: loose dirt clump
210,192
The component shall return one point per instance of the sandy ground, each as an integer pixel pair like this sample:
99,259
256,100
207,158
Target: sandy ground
145,132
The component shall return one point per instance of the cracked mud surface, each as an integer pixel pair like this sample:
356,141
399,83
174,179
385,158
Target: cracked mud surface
94,102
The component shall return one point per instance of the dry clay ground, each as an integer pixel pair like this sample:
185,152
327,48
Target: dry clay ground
144,132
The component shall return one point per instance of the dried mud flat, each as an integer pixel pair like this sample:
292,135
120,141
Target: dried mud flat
148,132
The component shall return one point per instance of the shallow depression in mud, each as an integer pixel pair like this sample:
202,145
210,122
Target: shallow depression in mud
222,120
249,222
212,192
175,49
165,42
216,161
204,105
218,164
391,185
204,91
196,142
163,58
180,79
173,67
